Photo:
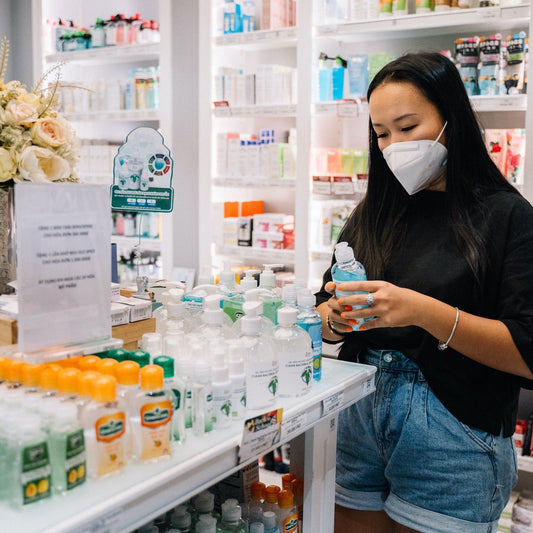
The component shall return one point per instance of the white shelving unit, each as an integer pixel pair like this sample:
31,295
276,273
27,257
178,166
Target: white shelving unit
144,491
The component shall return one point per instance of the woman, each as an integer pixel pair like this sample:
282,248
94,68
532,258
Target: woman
447,245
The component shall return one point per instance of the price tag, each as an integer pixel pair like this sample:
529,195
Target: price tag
489,12
260,434
108,523
347,108
291,426
332,403
342,185
222,108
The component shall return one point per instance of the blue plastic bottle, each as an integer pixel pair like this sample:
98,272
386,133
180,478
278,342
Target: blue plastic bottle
348,269
310,320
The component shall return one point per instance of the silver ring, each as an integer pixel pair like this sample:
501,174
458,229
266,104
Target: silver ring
370,299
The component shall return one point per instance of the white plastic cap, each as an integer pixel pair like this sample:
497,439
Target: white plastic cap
231,511
180,518
287,316
306,298
206,524
213,313
269,519
152,343
267,278
175,295
249,282
256,527
251,321
204,502
343,252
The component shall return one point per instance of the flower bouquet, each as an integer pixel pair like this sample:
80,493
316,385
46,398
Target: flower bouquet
36,145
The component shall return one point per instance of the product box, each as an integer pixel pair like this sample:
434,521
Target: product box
120,314
244,233
139,309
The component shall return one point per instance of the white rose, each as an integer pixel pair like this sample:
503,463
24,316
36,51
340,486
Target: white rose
51,132
8,165
42,165
19,112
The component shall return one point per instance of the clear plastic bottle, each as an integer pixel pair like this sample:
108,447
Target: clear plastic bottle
310,320
270,296
204,507
84,382
127,374
270,521
231,520
289,295
271,499
151,417
287,512
237,376
183,370
153,344
67,449
104,424
221,388
260,359
347,268
181,519
177,389
202,398
216,323
110,32
255,505
295,355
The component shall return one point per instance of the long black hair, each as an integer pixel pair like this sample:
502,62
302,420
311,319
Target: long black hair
378,222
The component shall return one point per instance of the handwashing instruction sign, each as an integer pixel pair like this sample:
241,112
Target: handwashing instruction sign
142,173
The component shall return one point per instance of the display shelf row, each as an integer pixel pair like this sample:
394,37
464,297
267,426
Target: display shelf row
282,110
285,183
279,38
144,491
109,54
133,115
266,255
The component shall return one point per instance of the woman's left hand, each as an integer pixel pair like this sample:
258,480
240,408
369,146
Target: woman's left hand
391,306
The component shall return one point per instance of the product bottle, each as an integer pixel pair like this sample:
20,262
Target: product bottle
98,34
257,295
180,519
183,369
221,387
49,399
287,512
286,481
345,269
151,417
202,398
127,374
255,505
237,376
204,507
270,521
206,524
337,75
104,424
260,359
289,295
177,389
233,306
256,527
325,82
141,357
153,344
227,284
271,499
84,382
231,520
298,491
216,323
270,295
295,355
310,320
29,471
67,449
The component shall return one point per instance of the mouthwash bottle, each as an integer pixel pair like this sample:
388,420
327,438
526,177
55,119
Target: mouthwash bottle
104,424
287,512
202,398
310,320
151,417
295,355
216,323
67,449
270,295
29,472
233,306
345,269
231,520
176,388
260,359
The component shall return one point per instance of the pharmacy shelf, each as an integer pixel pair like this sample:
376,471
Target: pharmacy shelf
144,491
342,108
258,40
109,54
120,115
256,183
503,18
265,255
279,110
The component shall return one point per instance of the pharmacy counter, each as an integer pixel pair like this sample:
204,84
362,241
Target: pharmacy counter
144,491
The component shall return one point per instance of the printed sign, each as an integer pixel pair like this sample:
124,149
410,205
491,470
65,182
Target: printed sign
260,433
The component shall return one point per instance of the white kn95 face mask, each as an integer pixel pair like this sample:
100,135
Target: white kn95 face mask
415,164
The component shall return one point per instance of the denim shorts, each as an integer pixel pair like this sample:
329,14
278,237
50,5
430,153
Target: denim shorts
400,450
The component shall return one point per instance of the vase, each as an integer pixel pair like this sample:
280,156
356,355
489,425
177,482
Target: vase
8,262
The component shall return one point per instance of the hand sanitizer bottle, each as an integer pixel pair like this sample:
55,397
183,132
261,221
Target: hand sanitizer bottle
260,359
216,323
295,355
183,370
347,268
231,521
310,320
270,295
287,512
221,387
202,398
237,377
233,306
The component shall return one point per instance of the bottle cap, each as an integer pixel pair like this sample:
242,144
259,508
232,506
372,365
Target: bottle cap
343,252
48,378
151,377
167,364
227,277
152,343
180,518
107,366
213,314
251,321
286,481
71,362
31,375
119,354
3,362
13,371
88,362
104,389
306,298
256,527
297,486
204,502
269,519
175,295
231,511
206,524
85,380
271,494
285,499
67,380
141,357
287,316
267,278
249,282
257,490
127,373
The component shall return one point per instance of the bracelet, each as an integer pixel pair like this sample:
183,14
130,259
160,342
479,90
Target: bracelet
333,330
443,345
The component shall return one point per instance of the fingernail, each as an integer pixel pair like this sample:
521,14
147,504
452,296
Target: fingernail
343,315
352,322
348,308
349,329
339,302
339,287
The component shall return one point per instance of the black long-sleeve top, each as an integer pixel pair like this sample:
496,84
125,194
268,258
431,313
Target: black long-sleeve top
429,261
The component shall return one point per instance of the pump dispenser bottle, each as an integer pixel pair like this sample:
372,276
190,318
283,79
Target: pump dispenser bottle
260,359
233,307
216,323
295,356
202,398
270,295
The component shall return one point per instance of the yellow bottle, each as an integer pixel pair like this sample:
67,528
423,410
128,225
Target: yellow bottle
127,374
104,424
151,416
84,381
67,383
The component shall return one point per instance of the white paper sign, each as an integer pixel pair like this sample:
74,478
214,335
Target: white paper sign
63,235
293,426
260,433
332,403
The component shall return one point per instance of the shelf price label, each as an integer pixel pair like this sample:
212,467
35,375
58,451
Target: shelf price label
348,108
260,433
222,108
332,403
293,426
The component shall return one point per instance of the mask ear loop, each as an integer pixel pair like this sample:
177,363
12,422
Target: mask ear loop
440,134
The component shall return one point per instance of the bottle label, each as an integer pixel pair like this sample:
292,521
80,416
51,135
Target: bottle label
208,412
188,409
238,400
315,332
296,373
177,398
109,431
155,429
221,407
36,473
290,524
75,463
262,384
